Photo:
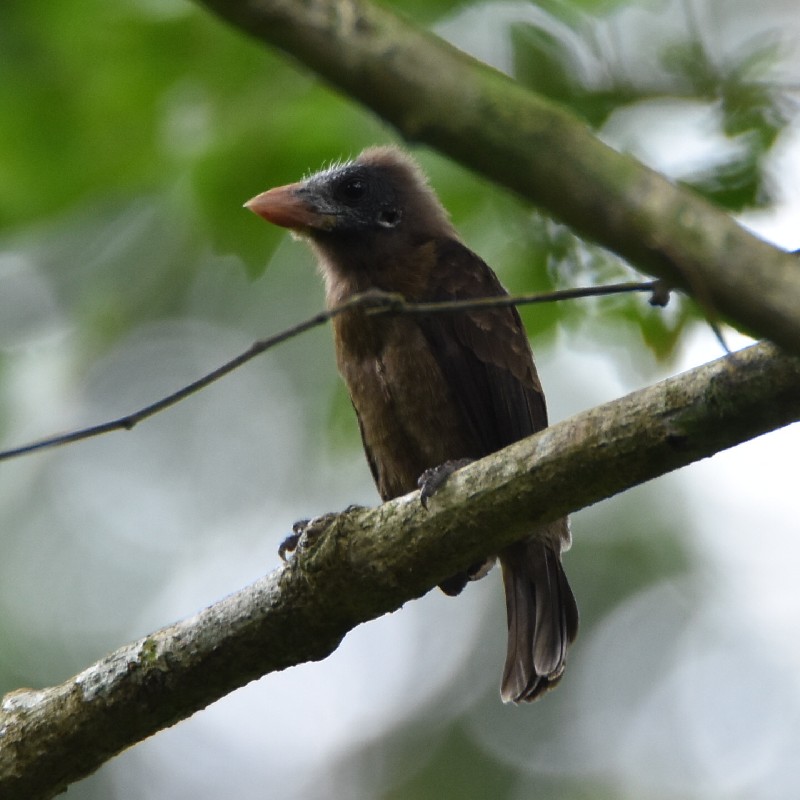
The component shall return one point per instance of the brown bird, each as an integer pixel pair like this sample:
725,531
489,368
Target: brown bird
437,389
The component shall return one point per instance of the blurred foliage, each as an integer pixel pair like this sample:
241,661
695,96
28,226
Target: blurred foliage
565,57
158,102
457,769
754,113
546,63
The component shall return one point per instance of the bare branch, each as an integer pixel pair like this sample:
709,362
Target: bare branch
436,94
361,564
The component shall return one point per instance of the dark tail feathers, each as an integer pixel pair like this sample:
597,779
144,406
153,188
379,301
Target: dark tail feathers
542,616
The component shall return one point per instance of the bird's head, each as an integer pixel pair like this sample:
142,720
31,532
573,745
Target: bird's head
380,196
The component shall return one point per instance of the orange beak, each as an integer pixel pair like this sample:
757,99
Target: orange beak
286,206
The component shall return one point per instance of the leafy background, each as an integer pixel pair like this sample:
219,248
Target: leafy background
130,135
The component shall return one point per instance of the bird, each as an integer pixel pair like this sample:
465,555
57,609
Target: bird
432,392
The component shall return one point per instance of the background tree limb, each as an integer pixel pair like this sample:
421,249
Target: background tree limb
432,92
361,564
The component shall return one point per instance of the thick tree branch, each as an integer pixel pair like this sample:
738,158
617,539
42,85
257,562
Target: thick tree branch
434,93
359,565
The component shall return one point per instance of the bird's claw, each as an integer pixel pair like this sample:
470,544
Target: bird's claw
306,531
289,544
434,478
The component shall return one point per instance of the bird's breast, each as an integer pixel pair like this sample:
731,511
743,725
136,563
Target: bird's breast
409,420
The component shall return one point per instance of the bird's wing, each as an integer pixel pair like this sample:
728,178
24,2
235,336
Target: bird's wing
484,355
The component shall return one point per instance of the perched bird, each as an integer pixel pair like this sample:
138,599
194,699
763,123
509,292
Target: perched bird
437,389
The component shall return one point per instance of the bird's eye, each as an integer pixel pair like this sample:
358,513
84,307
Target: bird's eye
389,217
352,189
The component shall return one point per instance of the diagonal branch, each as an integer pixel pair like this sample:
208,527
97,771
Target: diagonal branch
436,94
361,564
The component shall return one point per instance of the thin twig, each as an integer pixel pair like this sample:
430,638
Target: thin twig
404,307
376,302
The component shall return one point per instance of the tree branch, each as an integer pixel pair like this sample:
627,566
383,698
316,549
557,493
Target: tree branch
358,565
436,94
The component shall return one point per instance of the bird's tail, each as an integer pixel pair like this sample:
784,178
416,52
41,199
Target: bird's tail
542,615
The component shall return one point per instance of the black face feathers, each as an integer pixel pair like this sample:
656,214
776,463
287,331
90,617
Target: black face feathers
358,196
382,189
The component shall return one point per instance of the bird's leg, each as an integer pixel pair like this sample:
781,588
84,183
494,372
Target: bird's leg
434,478
429,483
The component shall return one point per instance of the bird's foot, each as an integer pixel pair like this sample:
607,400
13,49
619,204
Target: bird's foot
434,478
305,532
290,543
